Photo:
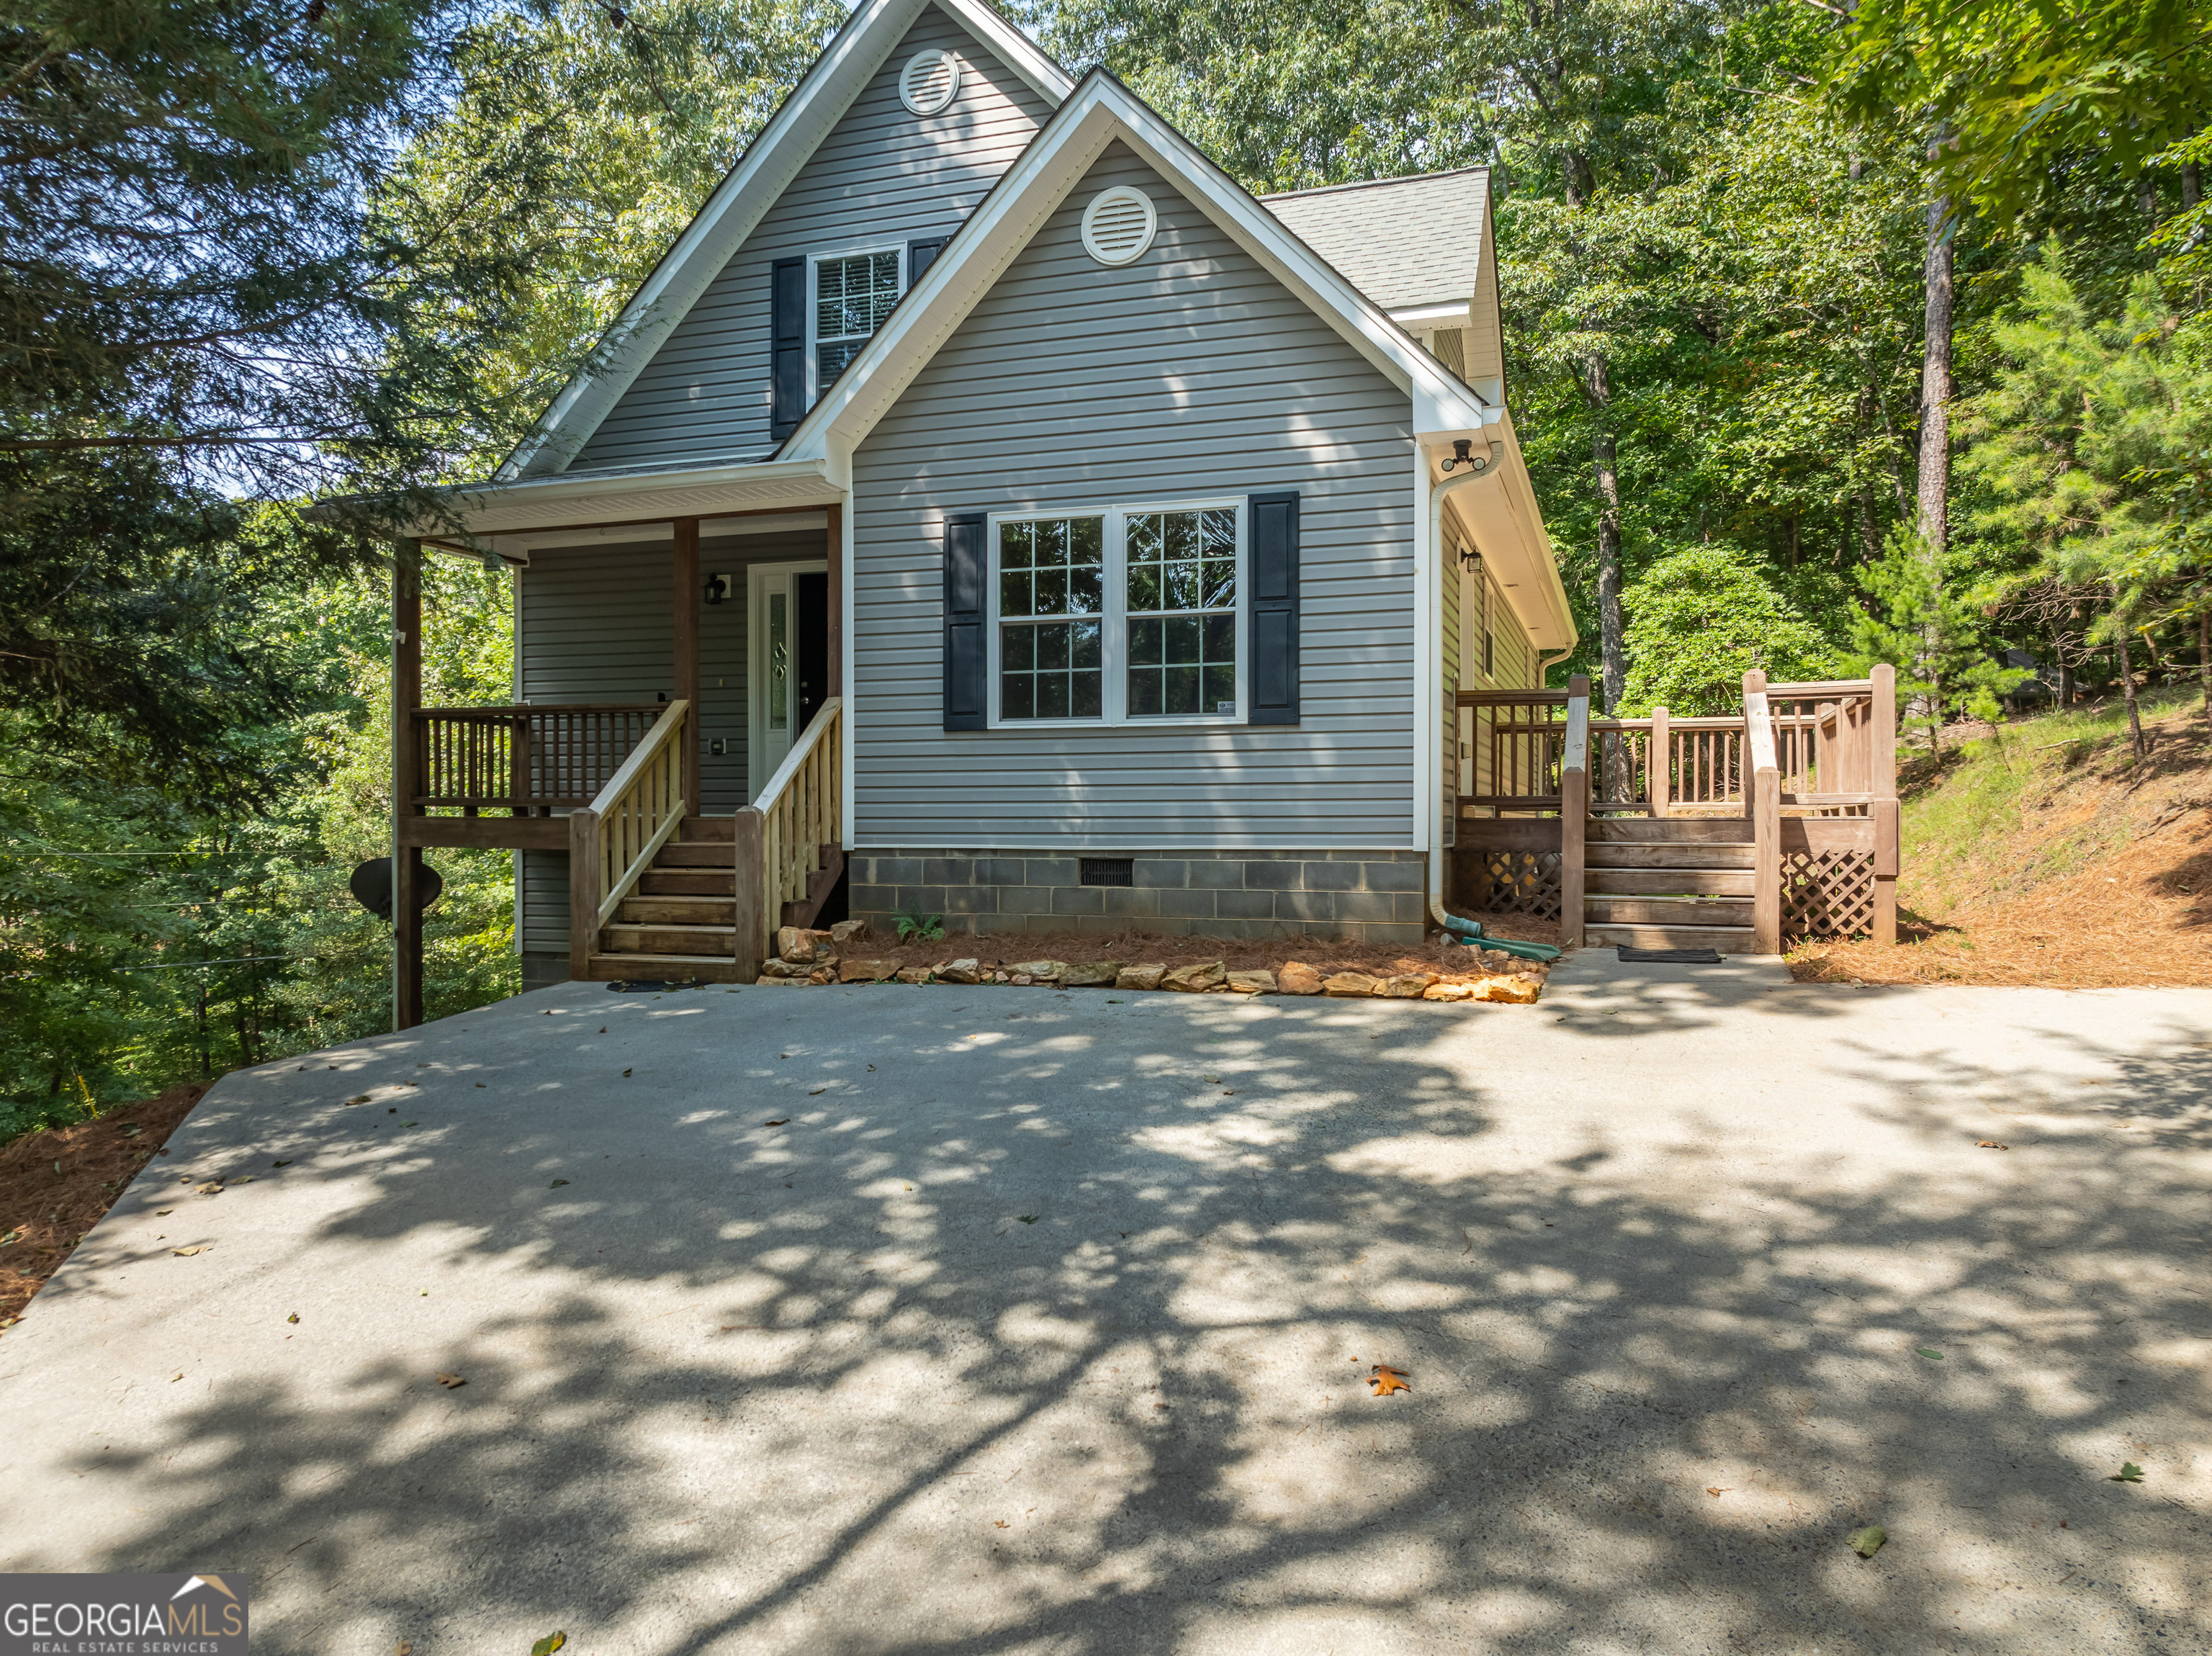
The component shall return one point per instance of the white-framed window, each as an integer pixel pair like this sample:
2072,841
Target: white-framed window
849,296
1119,615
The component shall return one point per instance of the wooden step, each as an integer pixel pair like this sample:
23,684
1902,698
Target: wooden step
687,882
616,938
1727,939
1666,911
708,830
1616,853
681,853
653,910
1667,881
1676,830
715,968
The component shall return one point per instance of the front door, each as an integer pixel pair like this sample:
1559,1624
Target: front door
789,604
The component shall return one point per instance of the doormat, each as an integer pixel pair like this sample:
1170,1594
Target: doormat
652,985
1673,956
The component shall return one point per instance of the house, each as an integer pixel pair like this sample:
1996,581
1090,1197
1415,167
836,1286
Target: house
988,502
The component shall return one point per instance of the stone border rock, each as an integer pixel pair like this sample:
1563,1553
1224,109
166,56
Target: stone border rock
805,956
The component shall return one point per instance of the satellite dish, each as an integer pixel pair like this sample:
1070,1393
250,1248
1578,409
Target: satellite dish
370,885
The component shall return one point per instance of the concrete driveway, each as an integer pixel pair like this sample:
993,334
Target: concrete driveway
1038,1324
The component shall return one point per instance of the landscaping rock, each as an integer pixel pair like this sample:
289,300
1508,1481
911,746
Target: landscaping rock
913,974
1041,971
823,973
851,971
1094,975
1299,979
1020,979
774,968
1252,983
799,980
1448,992
802,947
1407,985
1139,977
1348,985
1513,992
845,930
961,972
1196,979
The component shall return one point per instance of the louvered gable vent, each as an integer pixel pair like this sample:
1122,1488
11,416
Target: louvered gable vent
930,81
1118,225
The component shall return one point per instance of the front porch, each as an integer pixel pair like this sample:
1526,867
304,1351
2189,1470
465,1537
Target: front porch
670,775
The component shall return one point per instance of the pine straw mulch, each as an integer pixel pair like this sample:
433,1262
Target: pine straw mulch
55,1186
2132,908
1455,962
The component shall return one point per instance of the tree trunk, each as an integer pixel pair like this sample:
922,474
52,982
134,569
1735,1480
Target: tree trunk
2128,689
1935,481
2192,186
2204,657
1611,648
2065,687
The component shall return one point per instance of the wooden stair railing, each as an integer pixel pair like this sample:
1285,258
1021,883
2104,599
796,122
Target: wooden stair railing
801,829
1763,804
1574,811
612,840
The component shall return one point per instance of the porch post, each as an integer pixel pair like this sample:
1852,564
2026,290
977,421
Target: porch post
1574,813
685,598
834,548
1881,782
406,767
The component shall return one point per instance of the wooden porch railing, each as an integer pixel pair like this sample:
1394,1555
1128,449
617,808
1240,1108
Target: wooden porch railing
523,758
613,839
802,814
1515,746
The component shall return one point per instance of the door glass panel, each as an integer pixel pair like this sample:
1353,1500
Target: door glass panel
779,661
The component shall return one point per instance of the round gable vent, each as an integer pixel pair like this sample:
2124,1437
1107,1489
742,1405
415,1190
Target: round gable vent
1118,225
930,81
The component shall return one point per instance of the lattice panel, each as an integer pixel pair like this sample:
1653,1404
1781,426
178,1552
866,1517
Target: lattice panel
1827,893
1520,882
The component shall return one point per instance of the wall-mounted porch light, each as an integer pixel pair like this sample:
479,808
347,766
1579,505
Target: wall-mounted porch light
718,588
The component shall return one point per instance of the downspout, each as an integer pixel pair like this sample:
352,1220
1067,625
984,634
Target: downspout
1476,472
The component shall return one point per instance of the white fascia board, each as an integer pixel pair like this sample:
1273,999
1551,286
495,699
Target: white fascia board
1100,110
769,164
640,497
1429,315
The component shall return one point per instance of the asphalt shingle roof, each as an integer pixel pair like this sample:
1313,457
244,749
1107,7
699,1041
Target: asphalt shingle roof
1405,243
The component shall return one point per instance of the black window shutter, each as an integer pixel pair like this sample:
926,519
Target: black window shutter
920,255
787,346
1275,673
966,658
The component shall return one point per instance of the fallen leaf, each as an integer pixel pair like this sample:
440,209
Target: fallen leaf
1933,1356
1001,1522
556,1184
2129,1474
548,1644
1027,1218
174,1378
816,1092
480,1086
1867,1542
364,1098
163,1213
12,1236
780,1121
1386,1380
187,1252
1712,1491
280,1164
293,1317
133,1131
411,1123
449,1381
402,1648
213,1187
247,1179
625,1071
603,1028
1216,1080
1991,1144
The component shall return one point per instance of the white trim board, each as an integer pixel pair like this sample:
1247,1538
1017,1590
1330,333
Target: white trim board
752,187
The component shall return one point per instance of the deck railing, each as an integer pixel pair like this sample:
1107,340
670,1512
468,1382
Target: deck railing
1516,740
613,841
526,757
801,811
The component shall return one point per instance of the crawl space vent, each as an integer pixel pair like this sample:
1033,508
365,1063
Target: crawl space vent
930,81
1118,225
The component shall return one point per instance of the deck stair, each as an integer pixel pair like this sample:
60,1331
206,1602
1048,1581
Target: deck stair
1669,882
681,920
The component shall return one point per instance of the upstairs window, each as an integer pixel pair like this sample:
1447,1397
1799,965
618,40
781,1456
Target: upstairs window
853,294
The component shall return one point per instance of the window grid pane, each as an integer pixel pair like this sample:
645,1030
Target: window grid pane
1182,593
852,297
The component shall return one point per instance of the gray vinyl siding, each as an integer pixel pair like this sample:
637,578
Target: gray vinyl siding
596,626
882,175
1190,371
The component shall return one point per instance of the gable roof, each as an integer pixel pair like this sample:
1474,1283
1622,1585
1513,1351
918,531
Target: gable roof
749,189
1099,111
1408,244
